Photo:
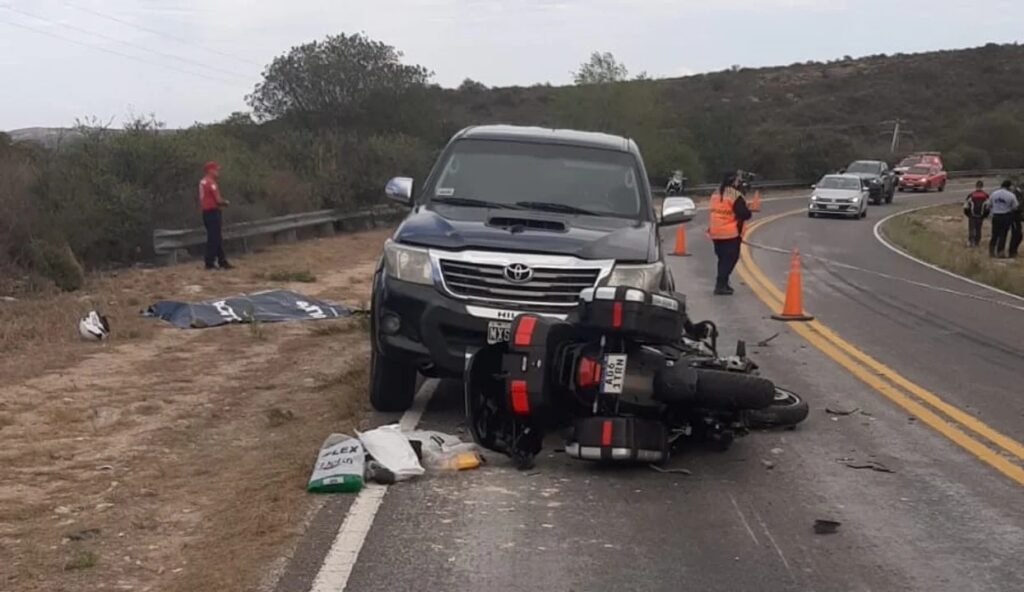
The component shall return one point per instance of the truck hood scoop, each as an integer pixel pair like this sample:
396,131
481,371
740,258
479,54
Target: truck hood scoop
515,225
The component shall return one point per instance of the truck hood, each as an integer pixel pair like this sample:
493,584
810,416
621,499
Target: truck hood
837,193
587,237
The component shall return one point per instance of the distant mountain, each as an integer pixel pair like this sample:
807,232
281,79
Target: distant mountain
47,136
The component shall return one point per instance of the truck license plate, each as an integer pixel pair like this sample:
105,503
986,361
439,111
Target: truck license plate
498,332
613,374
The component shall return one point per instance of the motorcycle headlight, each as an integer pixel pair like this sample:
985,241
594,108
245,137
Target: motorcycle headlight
643,277
409,264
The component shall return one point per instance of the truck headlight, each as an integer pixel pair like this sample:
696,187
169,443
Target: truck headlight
409,264
644,277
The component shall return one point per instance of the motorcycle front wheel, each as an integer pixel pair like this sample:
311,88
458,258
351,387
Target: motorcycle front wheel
787,410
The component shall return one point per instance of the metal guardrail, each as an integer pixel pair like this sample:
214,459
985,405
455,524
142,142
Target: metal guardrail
169,245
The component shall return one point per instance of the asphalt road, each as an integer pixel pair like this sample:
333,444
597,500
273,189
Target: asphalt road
941,520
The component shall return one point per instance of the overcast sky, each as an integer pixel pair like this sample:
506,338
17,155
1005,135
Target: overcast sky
192,60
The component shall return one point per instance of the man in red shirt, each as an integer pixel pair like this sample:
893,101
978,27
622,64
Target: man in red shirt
976,208
211,202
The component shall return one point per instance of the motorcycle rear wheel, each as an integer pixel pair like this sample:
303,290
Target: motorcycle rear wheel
787,410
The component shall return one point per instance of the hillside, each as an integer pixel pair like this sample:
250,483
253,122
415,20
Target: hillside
360,116
799,119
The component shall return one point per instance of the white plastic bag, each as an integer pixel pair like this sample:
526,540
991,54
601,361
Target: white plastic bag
389,446
442,451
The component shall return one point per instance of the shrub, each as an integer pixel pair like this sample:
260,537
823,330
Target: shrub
57,262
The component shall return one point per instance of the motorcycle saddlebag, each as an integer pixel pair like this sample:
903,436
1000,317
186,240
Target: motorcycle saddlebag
619,439
635,313
528,383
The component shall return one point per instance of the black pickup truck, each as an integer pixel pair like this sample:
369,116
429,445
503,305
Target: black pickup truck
510,220
876,177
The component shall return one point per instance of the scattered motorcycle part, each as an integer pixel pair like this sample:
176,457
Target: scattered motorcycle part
94,327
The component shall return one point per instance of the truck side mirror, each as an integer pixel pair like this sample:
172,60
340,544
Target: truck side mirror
677,210
400,190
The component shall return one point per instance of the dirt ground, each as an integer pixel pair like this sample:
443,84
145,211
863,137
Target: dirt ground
168,459
939,235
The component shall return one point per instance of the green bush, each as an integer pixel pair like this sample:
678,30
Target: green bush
57,262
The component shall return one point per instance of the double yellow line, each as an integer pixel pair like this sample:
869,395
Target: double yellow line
998,450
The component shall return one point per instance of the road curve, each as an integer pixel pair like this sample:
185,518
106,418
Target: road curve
941,520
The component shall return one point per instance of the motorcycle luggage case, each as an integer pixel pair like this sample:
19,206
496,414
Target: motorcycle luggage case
619,439
635,313
527,385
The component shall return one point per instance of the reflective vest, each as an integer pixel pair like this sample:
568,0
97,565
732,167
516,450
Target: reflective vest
722,223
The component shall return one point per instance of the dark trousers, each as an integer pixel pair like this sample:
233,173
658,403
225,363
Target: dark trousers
1015,235
974,225
1000,227
728,253
214,238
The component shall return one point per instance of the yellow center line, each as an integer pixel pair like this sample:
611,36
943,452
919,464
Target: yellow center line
871,371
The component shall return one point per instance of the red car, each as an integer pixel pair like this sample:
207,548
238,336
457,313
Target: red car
919,158
923,177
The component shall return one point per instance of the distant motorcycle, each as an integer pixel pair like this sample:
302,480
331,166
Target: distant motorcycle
676,184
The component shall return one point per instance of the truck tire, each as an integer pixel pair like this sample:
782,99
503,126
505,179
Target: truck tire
787,410
392,383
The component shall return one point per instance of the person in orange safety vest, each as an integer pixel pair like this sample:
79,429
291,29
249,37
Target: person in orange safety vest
728,213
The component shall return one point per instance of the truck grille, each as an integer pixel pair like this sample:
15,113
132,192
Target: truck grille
549,285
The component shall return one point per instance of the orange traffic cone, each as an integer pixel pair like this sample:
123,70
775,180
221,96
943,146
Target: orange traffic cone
680,249
755,204
793,309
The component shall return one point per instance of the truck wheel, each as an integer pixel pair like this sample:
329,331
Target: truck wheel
787,410
942,187
392,383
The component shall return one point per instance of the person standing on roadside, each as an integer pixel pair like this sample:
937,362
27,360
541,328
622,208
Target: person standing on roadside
1004,206
728,213
1016,222
976,209
211,203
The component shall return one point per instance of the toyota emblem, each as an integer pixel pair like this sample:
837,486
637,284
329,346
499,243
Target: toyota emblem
517,273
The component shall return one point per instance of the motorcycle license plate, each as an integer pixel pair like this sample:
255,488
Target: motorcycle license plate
613,374
498,332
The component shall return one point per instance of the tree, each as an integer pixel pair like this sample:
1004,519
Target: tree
335,79
472,86
601,69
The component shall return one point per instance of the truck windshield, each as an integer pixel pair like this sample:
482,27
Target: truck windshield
547,177
864,167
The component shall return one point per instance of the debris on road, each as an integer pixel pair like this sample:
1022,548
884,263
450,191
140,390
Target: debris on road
865,464
679,471
339,466
766,342
767,464
841,412
391,448
826,526
444,452
776,451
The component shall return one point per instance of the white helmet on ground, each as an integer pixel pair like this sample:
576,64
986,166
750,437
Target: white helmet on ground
94,327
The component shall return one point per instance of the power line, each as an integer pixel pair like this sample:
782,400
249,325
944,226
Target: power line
161,33
116,40
113,52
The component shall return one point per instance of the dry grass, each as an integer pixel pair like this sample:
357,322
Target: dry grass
289,276
939,235
175,460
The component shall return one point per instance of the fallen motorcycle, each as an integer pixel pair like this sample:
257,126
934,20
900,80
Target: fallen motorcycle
626,374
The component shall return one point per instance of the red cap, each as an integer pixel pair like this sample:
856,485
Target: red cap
209,166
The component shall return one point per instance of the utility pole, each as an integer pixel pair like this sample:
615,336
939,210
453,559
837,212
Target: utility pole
897,133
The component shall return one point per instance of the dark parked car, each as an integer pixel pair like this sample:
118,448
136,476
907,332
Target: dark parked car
877,178
510,220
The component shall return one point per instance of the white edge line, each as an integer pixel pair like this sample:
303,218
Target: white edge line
895,249
341,557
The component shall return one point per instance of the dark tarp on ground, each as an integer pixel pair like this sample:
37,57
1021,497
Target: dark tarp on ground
265,307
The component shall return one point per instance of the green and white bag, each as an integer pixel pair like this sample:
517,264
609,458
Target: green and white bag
339,466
